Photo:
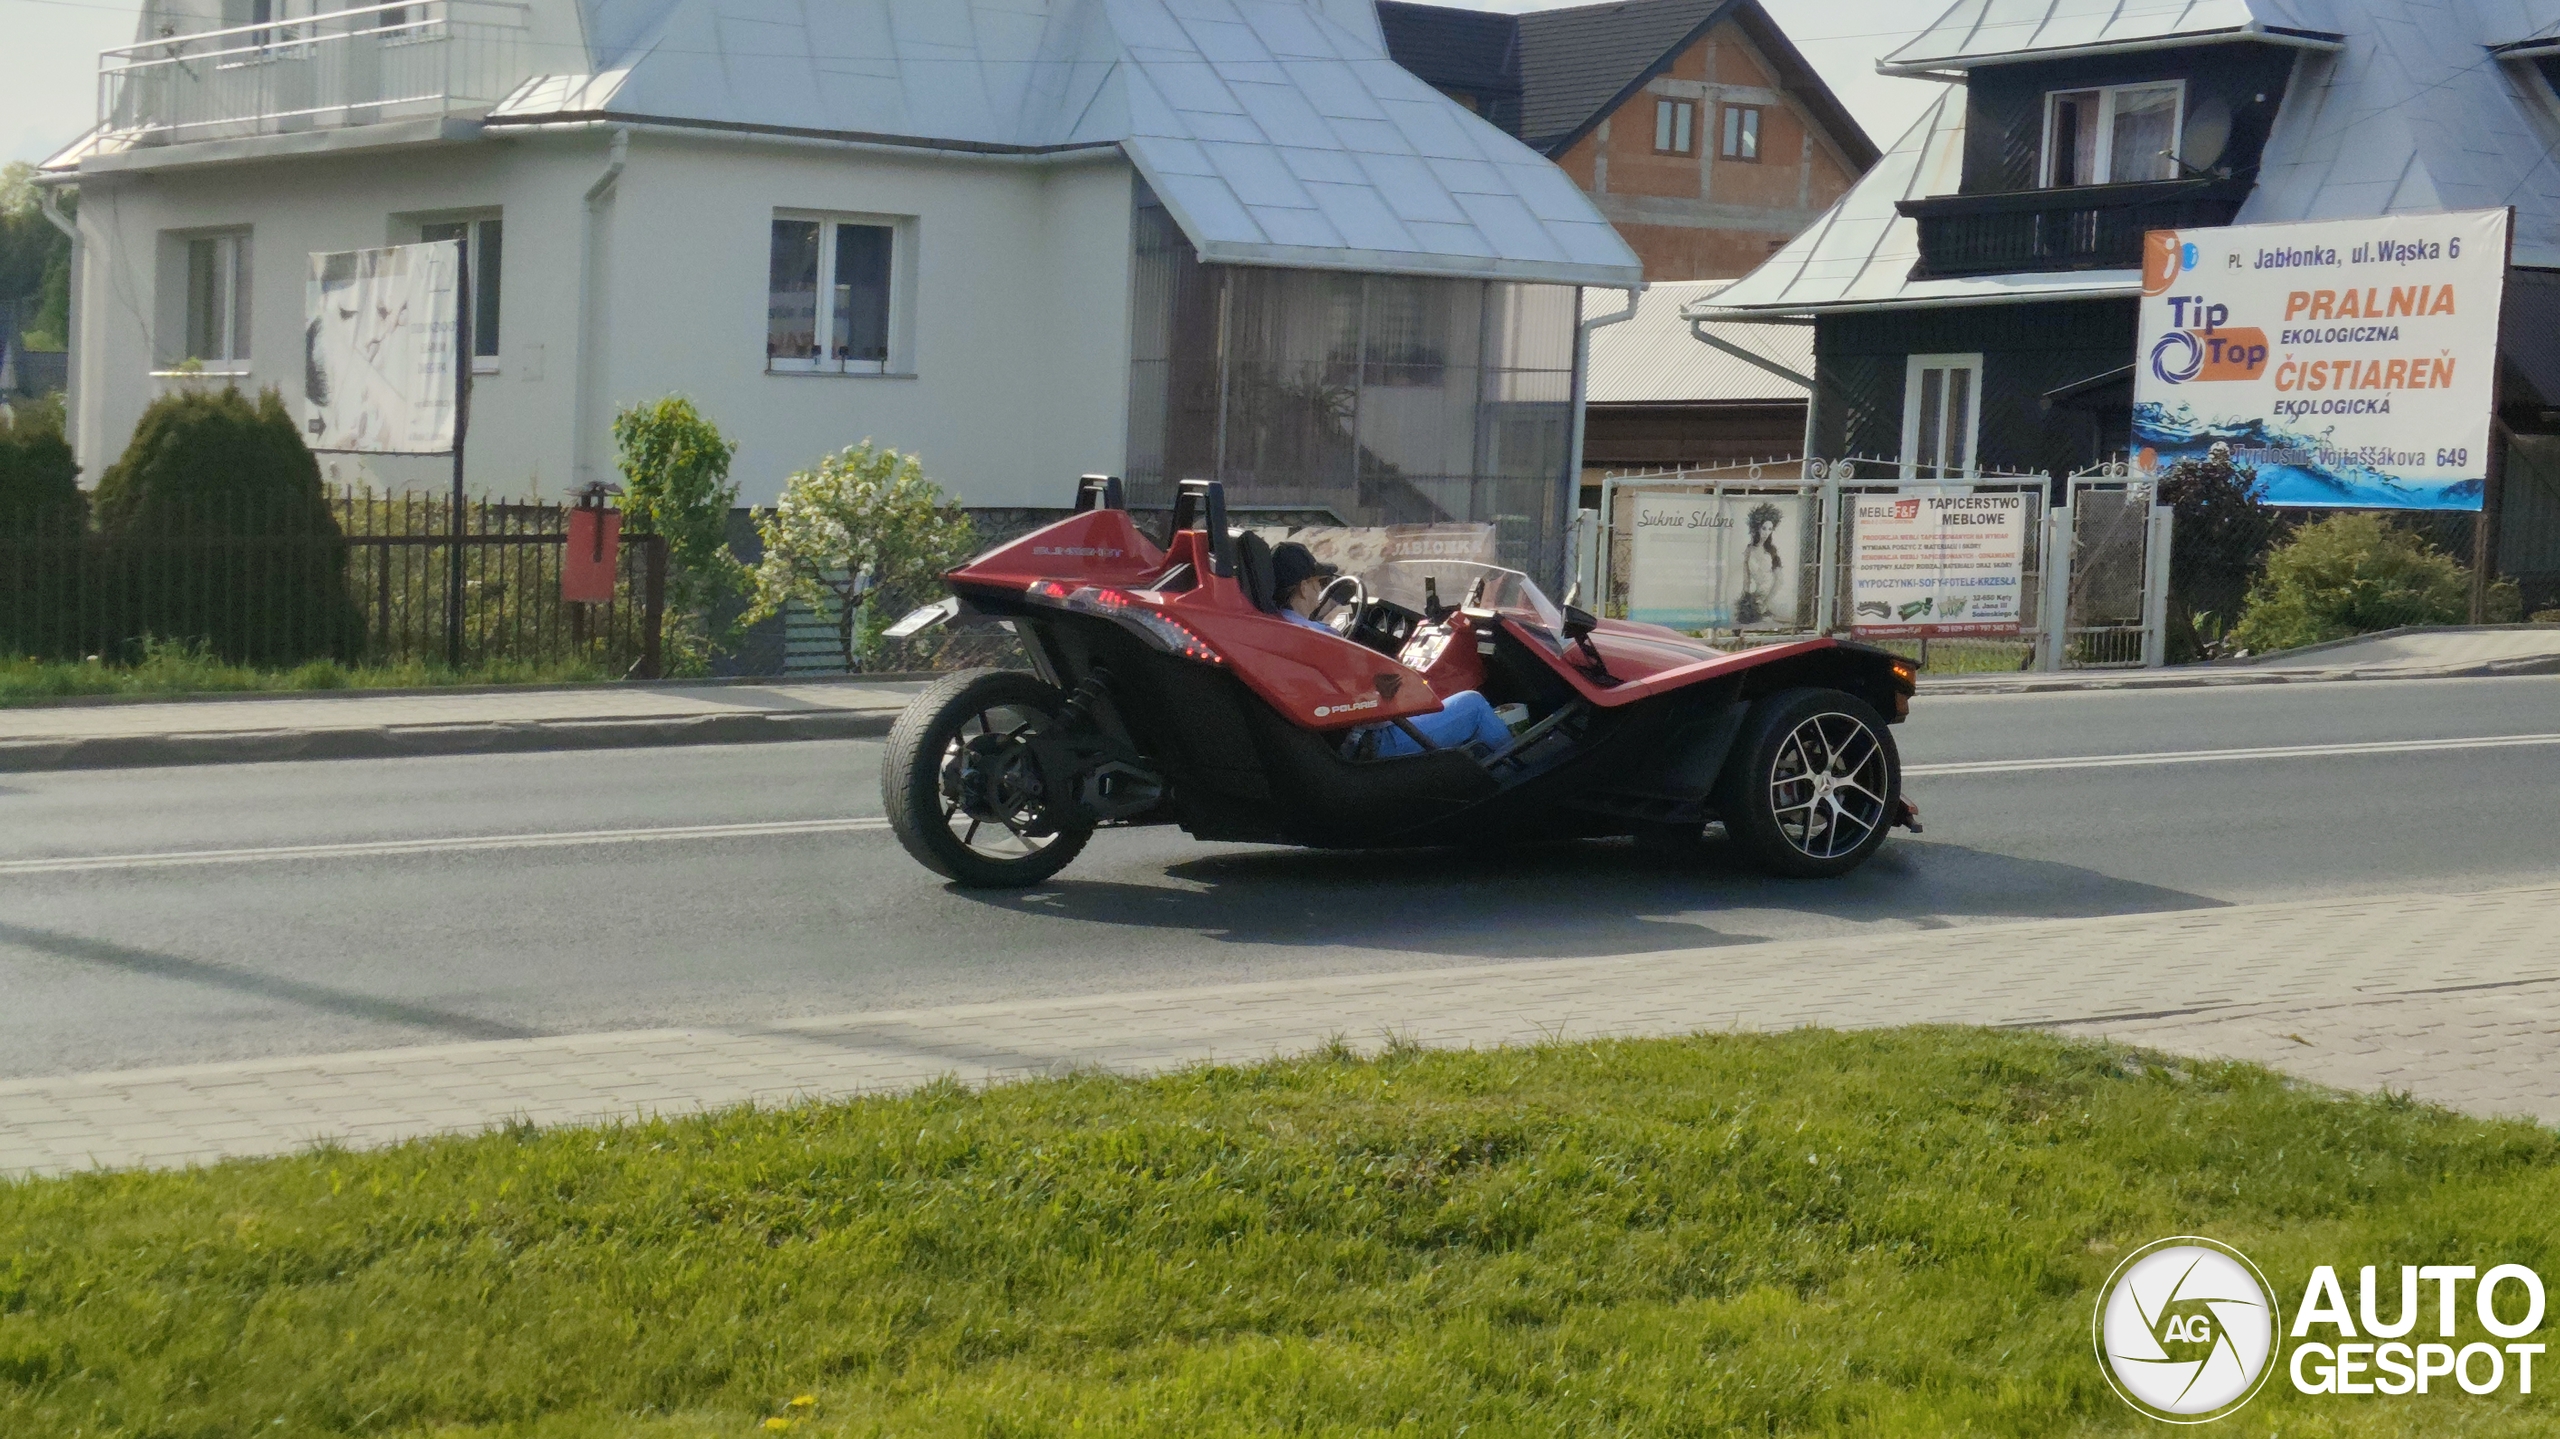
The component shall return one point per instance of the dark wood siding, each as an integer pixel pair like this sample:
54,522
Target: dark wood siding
2004,105
2026,351
1661,436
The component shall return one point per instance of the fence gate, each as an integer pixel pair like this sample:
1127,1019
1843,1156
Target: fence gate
2112,589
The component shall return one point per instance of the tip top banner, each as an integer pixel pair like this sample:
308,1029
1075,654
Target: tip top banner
2348,361
378,349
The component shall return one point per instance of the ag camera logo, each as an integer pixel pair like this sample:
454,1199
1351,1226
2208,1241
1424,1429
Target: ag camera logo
2185,1329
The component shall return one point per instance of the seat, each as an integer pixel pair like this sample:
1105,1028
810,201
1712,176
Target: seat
1254,574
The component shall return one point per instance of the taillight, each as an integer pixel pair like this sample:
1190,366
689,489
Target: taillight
1047,590
1163,631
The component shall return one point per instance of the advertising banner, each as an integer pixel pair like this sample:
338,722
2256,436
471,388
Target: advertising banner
1937,564
378,349
2348,361
1717,562
1360,549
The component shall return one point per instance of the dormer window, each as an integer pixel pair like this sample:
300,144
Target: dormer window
2112,135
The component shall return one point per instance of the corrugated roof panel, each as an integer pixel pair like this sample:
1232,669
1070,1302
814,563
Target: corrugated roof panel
1977,30
1652,358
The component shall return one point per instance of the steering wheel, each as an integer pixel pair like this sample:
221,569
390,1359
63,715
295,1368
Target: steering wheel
1352,609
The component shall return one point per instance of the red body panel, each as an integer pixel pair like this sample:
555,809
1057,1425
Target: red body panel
1098,547
1641,668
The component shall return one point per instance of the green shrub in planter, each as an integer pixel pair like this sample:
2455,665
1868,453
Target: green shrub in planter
2351,574
217,534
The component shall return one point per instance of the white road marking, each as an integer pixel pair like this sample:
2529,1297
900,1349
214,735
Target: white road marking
466,844
2209,756
450,844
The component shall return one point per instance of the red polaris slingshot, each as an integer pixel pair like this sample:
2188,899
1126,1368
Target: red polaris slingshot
1166,689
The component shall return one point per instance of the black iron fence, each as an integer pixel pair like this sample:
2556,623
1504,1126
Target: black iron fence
356,579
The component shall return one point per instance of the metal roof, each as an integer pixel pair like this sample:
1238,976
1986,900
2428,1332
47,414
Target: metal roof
1653,359
2412,112
1276,132
1977,32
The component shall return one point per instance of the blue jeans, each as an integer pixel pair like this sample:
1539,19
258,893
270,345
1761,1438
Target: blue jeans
1461,718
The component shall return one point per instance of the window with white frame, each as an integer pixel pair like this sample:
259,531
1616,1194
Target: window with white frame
217,315
1741,133
484,250
828,304
1674,124
1941,416
2112,134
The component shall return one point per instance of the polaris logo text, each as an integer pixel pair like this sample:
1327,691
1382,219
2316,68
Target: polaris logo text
1322,711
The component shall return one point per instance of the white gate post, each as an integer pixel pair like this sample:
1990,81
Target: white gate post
2053,606
2155,586
1826,603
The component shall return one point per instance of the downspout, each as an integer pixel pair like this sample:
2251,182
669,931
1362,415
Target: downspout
1571,497
50,203
590,307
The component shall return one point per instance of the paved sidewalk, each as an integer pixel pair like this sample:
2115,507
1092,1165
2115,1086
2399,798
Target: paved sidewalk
347,724
2454,998
2417,653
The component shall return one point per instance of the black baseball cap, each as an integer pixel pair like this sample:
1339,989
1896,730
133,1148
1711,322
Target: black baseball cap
1293,563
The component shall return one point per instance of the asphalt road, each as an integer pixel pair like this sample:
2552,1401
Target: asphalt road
382,903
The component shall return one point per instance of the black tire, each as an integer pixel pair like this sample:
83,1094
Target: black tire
1812,784
924,774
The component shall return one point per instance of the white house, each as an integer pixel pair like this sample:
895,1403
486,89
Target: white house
1025,239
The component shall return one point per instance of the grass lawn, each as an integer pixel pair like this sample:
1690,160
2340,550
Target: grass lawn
172,670
1894,1233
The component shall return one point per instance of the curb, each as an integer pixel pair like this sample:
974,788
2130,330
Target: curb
406,741
2218,678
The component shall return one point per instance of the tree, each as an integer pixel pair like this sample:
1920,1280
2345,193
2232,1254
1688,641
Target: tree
35,260
2223,533
193,512
42,516
676,485
2347,575
861,539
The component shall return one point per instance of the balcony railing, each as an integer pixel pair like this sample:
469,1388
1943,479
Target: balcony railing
341,67
2090,227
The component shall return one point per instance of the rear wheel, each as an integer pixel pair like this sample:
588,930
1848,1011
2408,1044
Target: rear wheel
1809,790
964,789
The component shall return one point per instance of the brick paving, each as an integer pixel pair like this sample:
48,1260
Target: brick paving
2452,998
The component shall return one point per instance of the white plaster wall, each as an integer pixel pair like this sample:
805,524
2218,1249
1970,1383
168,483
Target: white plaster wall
1020,294
1020,297
521,415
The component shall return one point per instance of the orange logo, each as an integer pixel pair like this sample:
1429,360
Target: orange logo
2235,354
2163,258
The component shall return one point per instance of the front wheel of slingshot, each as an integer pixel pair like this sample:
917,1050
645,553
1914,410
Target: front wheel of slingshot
963,786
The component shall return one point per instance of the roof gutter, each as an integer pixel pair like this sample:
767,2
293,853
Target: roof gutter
578,122
1955,67
1806,314
1698,332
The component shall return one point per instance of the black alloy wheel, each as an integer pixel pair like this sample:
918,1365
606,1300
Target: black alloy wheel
963,786
1811,786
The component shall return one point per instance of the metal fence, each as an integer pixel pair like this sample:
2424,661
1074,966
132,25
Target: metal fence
355,578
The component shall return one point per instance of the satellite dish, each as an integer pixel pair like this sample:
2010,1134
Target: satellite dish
2207,135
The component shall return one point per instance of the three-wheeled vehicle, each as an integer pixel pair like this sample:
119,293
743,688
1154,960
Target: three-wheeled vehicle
1167,689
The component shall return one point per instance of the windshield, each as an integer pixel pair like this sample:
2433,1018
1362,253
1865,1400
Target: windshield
1507,592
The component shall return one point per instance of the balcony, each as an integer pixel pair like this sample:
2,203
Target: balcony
2090,227
313,72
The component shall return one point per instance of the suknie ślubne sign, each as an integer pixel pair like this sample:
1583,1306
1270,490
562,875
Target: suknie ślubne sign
2347,361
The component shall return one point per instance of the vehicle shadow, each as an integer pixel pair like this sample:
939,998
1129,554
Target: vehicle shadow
1577,899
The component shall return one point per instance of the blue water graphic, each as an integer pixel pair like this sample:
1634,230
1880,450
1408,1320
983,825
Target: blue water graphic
2176,433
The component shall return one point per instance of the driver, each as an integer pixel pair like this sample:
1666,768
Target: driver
1300,579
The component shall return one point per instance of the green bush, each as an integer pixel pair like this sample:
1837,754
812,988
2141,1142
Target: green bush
39,484
861,539
2224,530
675,483
2349,575
215,532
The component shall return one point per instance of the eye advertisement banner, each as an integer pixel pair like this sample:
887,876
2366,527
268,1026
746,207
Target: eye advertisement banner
2349,362
378,349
